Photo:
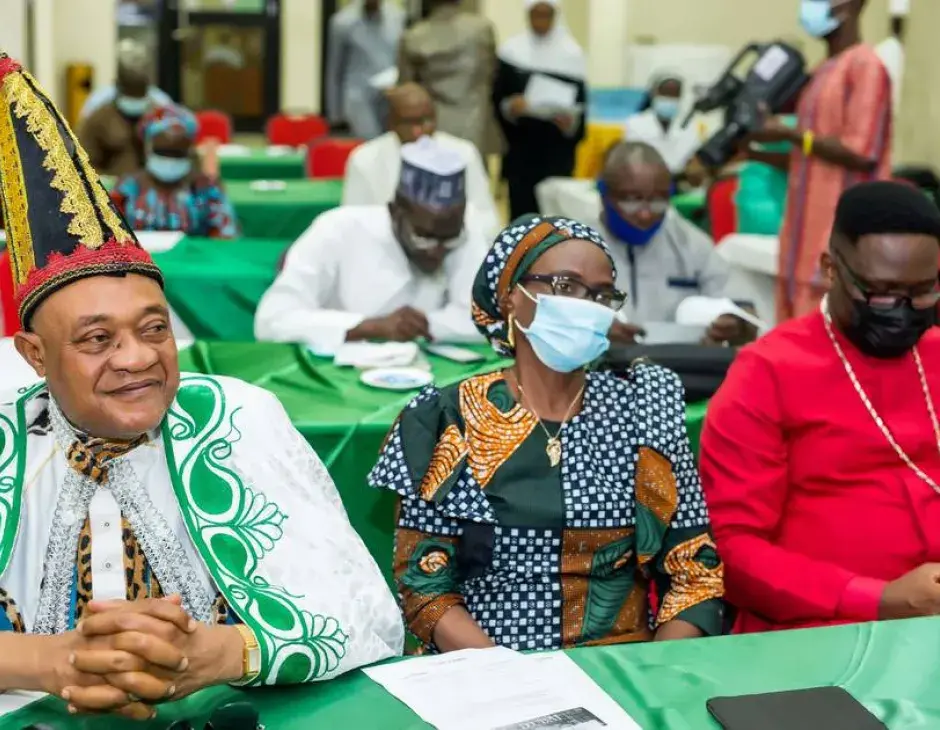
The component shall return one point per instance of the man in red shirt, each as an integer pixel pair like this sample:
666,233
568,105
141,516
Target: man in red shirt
821,451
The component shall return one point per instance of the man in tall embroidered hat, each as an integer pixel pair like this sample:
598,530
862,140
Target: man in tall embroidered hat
395,272
820,455
159,532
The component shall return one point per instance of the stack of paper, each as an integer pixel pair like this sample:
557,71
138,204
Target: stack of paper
499,689
546,97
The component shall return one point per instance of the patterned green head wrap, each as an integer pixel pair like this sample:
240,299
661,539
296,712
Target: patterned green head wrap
514,251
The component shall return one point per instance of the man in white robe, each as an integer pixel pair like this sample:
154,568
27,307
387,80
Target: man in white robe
397,272
373,169
159,532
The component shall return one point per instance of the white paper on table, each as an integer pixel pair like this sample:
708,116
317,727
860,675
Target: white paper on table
499,689
376,355
159,241
14,700
671,333
547,96
702,311
233,150
384,80
279,150
3,235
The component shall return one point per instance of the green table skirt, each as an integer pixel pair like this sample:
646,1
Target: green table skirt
215,286
890,667
259,165
345,421
283,213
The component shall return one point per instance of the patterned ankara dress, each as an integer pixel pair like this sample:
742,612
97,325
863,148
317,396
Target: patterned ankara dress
548,557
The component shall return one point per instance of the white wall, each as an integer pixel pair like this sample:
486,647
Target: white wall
300,55
13,28
84,31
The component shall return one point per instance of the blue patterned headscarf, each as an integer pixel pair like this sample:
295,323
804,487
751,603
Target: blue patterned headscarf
165,118
514,251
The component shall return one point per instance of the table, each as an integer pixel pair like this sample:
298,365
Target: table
214,286
345,421
890,667
260,164
282,213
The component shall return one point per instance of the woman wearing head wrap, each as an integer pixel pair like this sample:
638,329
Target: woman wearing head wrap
539,504
169,194
541,141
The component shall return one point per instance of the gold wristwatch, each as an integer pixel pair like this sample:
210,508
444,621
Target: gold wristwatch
251,656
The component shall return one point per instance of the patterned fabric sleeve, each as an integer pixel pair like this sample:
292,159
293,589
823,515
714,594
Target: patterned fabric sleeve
419,461
674,535
220,216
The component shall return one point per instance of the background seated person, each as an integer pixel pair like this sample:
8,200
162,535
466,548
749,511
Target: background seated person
130,54
539,504
397,272
661,257
820,452
169,194
659,124
373,169
109,133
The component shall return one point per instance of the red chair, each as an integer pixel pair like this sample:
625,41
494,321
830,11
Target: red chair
327,157
722,209
214,125
9,322
295,130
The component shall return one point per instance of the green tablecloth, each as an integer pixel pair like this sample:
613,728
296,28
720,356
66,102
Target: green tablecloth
214,286
890,667
282,213
344,420
259,165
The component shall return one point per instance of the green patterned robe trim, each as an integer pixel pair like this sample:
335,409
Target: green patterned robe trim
233,527
12,469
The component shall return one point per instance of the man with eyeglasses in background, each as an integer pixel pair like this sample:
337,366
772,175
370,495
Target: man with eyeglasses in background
661,258
397,272
821,451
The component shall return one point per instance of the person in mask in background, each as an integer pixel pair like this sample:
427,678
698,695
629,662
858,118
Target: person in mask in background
820,453
131,54
659,124
662,258
540,504
396,272
842,137
109,132
541,142
171,193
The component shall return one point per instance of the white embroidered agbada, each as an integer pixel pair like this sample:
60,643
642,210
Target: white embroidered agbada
225,498
373,169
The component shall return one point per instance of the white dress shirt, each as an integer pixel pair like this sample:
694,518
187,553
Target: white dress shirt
374,167
349,267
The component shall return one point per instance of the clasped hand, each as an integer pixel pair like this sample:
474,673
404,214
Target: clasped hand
125,657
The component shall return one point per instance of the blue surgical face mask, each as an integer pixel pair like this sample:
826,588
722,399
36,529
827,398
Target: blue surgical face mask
621,228
666,107
169,169
567,334
816,18
131,107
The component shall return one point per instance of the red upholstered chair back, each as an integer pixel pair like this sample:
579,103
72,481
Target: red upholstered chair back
722,209
214,125
295,130
9,322
328,157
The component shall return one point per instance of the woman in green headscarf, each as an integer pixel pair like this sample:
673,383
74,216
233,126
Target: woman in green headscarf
540,503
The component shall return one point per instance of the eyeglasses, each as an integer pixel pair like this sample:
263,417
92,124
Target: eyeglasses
878,300
633,206
566,286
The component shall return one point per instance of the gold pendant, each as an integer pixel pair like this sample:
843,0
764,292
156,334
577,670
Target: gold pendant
553,449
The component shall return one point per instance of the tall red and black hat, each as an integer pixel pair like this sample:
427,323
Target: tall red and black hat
61,225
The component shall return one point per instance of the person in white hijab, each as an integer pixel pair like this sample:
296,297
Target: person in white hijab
539,95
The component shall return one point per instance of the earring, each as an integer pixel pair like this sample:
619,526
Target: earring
511,322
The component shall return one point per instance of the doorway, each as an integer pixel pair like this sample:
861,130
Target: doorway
223,55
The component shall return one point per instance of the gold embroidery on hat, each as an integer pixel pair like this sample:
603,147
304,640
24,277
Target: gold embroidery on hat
43,127
15,204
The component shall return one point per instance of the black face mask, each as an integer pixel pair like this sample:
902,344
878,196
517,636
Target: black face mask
888,333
